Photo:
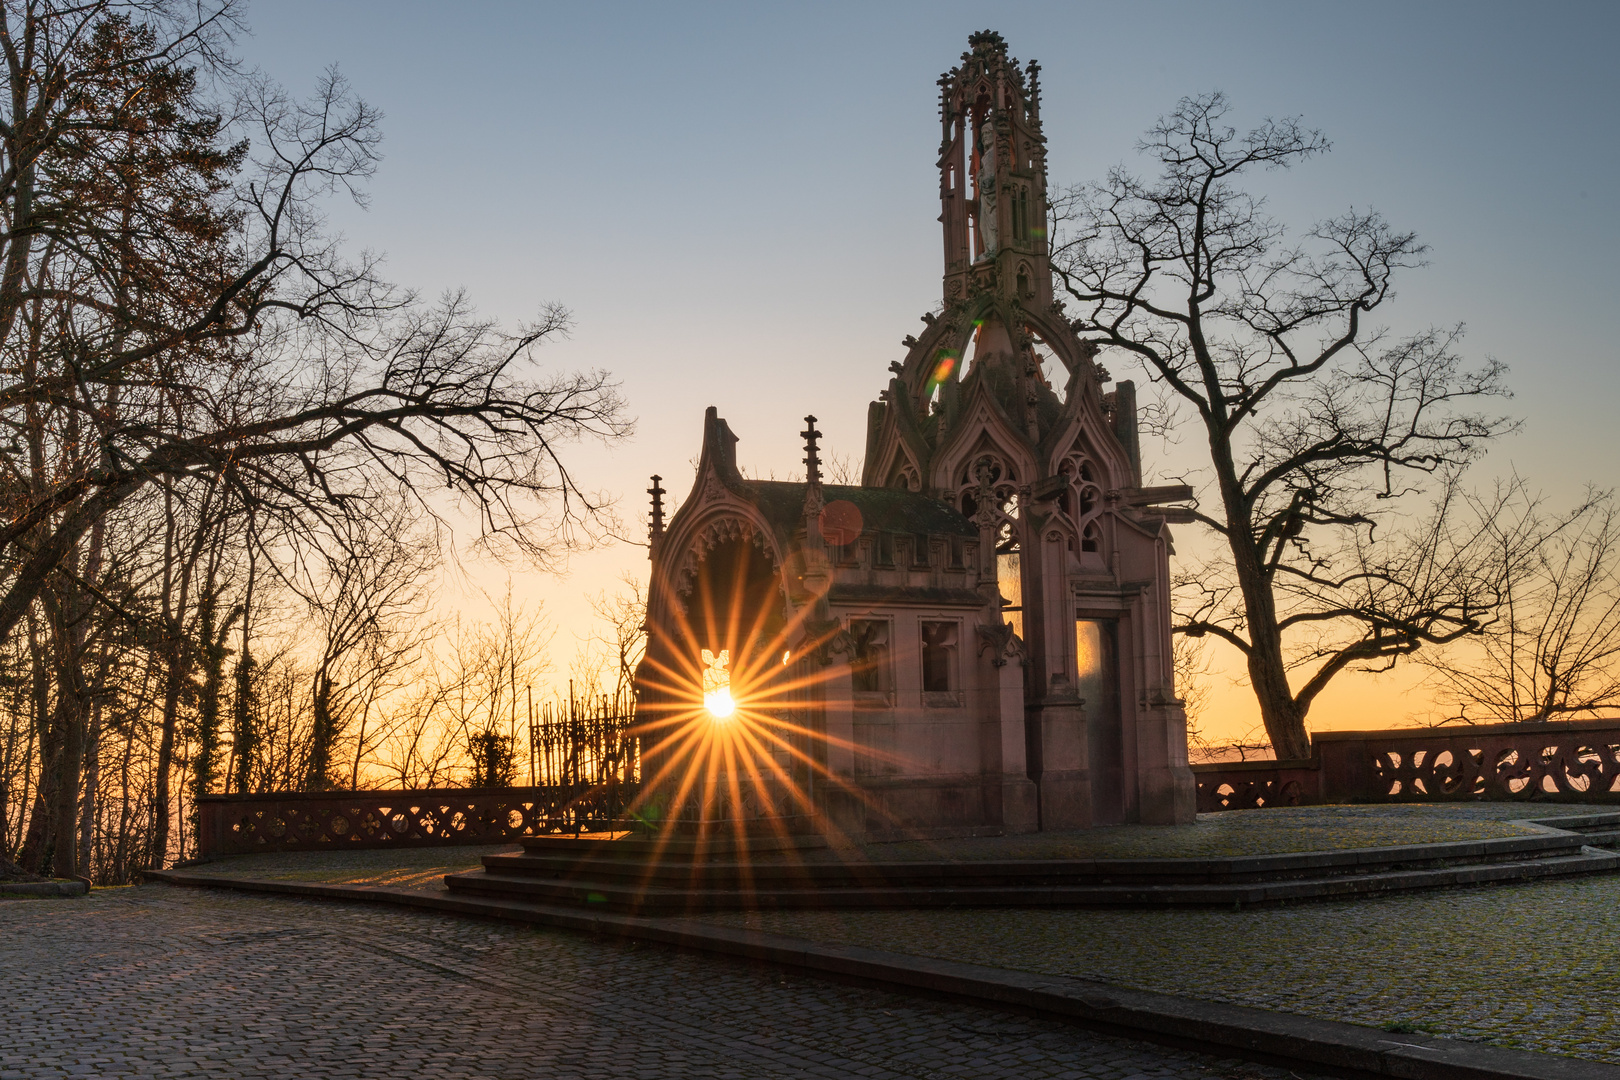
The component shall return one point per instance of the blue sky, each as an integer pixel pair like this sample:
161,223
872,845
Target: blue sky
738,200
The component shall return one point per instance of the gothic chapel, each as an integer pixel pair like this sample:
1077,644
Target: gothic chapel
974,640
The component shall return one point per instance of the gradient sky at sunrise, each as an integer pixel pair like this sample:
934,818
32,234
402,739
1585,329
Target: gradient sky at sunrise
738,201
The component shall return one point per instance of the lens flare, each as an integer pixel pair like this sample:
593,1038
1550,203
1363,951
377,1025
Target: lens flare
728,748
942,371
840,522
719,703
717,684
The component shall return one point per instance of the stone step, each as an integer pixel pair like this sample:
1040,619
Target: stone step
1605,821
598,863
623,844
618,896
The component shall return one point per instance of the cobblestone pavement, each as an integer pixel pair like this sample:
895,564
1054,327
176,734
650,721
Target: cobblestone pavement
171,982
1532,966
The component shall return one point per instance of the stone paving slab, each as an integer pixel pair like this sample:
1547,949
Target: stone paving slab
1530,966
158,981
1533,966
1297,1041
397,868
1238,832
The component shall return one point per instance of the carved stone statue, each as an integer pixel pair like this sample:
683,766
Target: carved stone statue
987,189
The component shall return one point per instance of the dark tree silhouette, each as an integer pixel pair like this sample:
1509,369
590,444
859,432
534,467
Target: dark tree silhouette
1320,426
175,298
177,330
1553,652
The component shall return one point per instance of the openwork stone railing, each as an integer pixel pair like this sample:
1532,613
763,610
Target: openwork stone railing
327,820
1558,762
1249,785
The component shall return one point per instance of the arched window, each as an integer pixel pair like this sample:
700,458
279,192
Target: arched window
939,657
869,666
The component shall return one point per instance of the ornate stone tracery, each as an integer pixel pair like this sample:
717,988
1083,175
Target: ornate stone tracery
987,492
716,532
1001,643
1082,501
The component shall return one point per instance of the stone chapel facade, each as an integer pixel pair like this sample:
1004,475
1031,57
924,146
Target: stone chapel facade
977,637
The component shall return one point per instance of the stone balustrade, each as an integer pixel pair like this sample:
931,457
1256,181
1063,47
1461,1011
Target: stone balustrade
328,820
1575,761
1249,785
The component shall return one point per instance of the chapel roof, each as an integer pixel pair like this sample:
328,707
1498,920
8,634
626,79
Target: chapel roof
882,509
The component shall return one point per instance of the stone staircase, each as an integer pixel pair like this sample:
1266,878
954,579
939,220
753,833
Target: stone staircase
1599,830
641,876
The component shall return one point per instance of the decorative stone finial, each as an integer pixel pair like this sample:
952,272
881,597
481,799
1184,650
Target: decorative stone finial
812,458
987,41
656,528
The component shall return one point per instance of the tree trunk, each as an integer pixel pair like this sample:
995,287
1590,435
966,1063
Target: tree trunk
35,856
65,829
92,779
165,757
121,859
1268,671
322,735
72,699
208,702
244,738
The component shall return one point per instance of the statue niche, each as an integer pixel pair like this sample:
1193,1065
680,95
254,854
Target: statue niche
984,186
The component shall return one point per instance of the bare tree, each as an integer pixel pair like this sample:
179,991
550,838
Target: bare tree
174,322
1321,428
369,601
607,658
1554,650
471,701
234,336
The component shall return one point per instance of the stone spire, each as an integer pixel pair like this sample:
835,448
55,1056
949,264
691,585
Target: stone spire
819,627
656,528
992,177
812,455
814,498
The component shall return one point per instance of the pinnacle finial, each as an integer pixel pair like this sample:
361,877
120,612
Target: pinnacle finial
656,528
987,39
812,457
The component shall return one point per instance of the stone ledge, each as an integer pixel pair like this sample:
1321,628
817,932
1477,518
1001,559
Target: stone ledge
671,901
1204,869
1211,1027
37,889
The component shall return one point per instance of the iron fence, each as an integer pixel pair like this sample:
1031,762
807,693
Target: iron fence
583,766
